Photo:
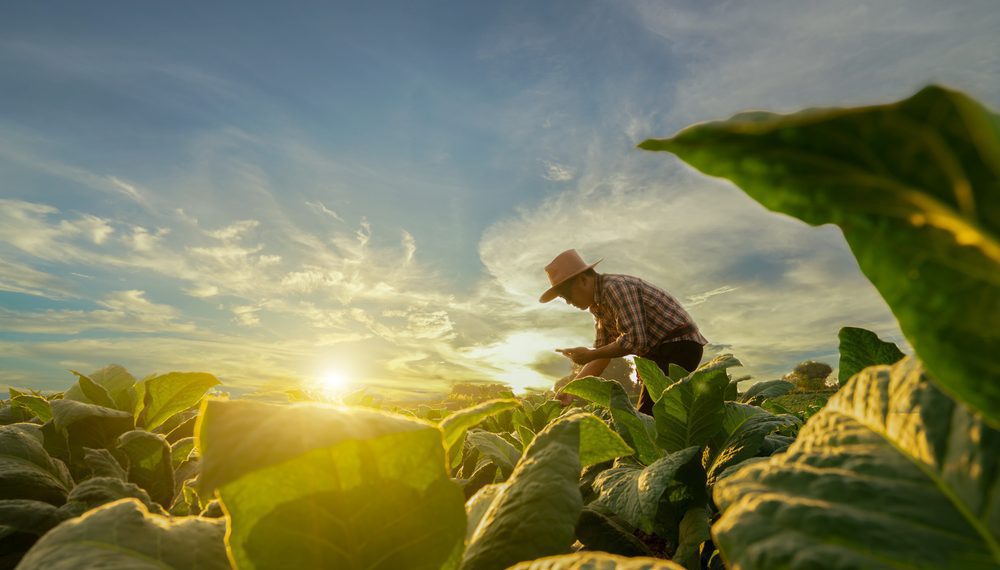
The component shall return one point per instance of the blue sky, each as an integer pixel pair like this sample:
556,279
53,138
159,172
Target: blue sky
272,191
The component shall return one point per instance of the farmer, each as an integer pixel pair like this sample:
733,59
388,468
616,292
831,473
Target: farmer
631,316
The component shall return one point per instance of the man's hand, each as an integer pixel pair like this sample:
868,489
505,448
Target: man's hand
579,355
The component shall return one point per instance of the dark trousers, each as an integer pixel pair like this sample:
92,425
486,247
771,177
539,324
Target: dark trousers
684,353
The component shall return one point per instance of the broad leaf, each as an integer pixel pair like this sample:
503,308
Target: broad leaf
630,426
690,412
606,533
860,348
125,535
37,406
763,391
635,494
116,382
891,473
181,450
95,393
913,186
169,394
535,512
314,486
103,464
98,491
596,561
649,373
26,470
89,425
32,517
498,449
456,423
149,464
743,435
694,530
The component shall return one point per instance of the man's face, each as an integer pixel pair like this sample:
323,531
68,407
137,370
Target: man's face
574,293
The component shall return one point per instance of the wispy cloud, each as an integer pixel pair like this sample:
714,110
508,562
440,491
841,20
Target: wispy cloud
556,172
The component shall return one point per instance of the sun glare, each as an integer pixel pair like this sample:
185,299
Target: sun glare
333,383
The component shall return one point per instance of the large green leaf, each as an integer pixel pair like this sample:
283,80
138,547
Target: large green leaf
860,348
36,405
98,491
115,382
607,533
34,517
690,412
914,187
496,448
635,494
891,473
535,512
318,486
596,561
455,424
124,535
89,425
629,424
744,429
150,464
762,391
169,394
651,376
26,469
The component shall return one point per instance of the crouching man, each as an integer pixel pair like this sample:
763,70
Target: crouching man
631,316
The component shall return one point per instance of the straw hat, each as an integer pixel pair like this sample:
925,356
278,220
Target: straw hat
564,267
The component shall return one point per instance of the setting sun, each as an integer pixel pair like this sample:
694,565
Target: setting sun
333,383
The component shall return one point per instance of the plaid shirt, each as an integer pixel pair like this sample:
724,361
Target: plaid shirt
637,314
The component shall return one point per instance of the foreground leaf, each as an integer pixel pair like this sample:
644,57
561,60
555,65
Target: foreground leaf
860,348
125,535
913,186
317,486
596,561
89,425
26,469
891,473
535,512
37,406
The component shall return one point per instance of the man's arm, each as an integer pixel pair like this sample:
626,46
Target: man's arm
593,368
582,355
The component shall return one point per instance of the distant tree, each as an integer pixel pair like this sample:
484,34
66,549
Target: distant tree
809,376
478,391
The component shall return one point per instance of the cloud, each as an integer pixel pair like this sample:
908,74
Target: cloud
122,311
556,172
319,207
21,278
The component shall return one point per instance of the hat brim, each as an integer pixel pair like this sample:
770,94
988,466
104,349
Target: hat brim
550,293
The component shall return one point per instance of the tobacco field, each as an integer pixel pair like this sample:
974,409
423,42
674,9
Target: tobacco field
899,469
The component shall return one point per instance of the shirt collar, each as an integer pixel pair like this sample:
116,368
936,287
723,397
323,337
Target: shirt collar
598,292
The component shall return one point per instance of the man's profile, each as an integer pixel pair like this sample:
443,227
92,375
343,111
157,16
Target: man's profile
631,316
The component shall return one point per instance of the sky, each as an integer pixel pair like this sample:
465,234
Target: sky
278,192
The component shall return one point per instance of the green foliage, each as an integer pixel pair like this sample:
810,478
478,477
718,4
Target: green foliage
169,394
633,427
763,391
891,473
124,535
535,512
689,413
914,187
341,469
860,348
26,469
596,561
149,464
